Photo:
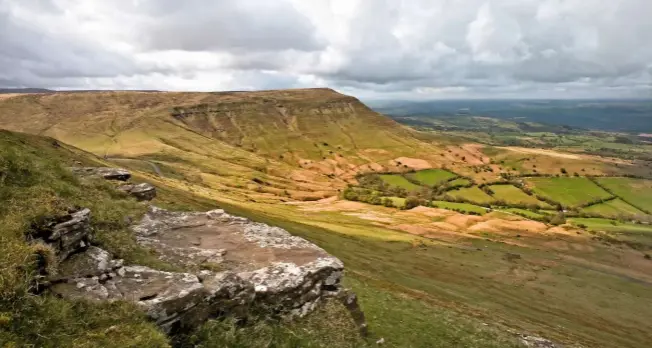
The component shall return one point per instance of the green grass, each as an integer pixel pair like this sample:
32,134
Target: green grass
613,208
636,192
398,201
398,180
34,186
463,207
525,213
472,194
513,195
569,191
432,177
601,224
458,182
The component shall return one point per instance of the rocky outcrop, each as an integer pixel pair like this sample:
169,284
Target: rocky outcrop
64,234
290,275
142,192
231,265
104,172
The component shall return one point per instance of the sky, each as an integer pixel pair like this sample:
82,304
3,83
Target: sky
372,49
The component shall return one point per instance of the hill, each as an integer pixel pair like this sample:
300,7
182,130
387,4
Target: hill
479,245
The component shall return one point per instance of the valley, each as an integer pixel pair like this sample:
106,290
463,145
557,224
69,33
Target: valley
461,232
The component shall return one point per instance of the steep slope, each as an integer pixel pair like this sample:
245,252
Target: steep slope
297,143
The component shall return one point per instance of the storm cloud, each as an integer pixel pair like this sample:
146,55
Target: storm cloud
370,48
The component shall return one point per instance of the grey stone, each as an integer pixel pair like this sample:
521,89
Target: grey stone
142,192
104,172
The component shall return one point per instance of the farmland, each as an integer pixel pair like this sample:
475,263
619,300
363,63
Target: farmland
636,192
432,177
472,194
613,208
568,191
513,195
399,181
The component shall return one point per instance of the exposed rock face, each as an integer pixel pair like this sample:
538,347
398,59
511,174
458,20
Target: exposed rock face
289,274
66,234
142,192
538,342
104,172
231,263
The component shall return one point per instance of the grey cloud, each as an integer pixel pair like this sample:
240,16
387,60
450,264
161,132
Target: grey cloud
240,25
379,47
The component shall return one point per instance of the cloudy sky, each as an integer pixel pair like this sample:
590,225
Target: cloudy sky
373,49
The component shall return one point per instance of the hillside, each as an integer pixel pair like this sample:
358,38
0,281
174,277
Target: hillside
224,139
494,243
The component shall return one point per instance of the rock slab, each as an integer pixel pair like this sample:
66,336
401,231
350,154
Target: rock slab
231,265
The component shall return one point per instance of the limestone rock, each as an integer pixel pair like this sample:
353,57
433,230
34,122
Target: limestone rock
173,300
288,273
231,263
104,172
142,192
65,234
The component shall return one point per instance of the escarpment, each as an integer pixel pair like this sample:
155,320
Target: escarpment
224,265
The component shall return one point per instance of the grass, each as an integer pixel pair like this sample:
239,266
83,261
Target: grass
613,208
569,191
432,177
472,194
458,182
636,192
513,195
398,201
398,180
35,185
525,213
609,225
462,207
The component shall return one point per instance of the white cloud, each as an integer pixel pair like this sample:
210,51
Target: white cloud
371,48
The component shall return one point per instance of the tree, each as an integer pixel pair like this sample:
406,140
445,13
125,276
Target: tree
563,171
412,202
558,219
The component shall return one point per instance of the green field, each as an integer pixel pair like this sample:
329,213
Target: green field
613,208
464,207
473,194
524,212
598,224
459,182
431,177
513,195
569,191
637,192
399,181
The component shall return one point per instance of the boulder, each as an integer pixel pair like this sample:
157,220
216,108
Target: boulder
142,192
104,172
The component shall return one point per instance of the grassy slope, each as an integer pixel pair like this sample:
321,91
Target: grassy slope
613,208
635,191
513,195
473,194
463,207
431,177
399,181
33,175
568,191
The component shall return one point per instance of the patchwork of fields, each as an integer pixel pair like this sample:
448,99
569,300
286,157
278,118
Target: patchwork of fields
537,198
